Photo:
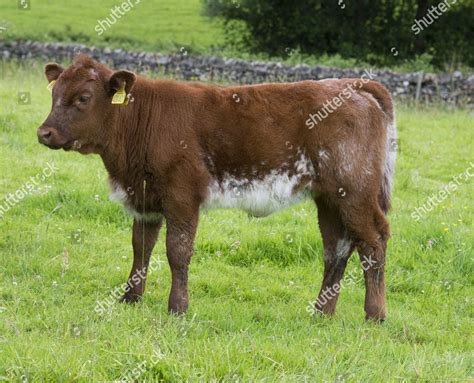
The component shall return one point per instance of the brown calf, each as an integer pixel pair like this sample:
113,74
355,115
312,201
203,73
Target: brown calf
179,147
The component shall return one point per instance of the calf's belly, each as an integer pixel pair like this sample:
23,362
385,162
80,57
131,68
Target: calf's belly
258,198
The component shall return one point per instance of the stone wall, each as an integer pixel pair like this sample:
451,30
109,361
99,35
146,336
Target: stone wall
456,88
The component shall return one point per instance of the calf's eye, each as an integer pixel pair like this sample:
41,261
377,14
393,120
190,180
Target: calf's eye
84,99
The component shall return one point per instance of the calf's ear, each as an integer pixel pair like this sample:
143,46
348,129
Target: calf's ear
118,78
52,71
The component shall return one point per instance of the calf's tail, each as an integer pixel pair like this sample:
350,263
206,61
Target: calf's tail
384,99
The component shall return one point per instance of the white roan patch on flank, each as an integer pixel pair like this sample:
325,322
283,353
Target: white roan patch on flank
264,196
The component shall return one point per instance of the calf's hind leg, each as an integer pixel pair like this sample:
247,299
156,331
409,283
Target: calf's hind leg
338,247
371,231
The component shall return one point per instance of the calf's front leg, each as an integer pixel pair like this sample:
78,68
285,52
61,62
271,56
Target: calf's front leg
179,249
144,237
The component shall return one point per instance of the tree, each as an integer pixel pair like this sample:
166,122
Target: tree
361,29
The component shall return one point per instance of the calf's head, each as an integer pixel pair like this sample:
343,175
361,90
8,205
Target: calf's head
82,108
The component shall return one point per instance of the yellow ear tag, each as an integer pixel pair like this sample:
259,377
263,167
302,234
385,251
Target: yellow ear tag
50,85
120,97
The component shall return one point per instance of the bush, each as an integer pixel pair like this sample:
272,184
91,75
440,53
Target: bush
378,32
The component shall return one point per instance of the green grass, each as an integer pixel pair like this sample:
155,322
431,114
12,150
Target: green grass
151,24
64,247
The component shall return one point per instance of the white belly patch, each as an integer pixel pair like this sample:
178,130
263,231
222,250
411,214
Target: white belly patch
261,197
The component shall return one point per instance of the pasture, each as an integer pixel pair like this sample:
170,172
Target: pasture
64,247
164,25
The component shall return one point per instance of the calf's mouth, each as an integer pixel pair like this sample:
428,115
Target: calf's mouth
51,138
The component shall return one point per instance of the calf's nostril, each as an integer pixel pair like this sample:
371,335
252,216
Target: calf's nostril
45,135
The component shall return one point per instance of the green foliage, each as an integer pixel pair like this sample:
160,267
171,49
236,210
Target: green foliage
65,248
379,32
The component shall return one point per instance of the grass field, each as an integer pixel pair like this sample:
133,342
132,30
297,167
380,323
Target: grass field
150,25
64,246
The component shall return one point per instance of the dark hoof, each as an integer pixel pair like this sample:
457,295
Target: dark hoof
324,311
376,318
177,309
130,298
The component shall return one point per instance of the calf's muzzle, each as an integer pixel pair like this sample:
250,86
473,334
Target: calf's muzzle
50,137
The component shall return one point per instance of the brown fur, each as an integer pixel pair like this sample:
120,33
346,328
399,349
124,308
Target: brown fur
167,146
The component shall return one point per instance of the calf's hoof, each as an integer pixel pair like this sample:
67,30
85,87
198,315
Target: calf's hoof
375,314
177,307
325,310
178,310
130,298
